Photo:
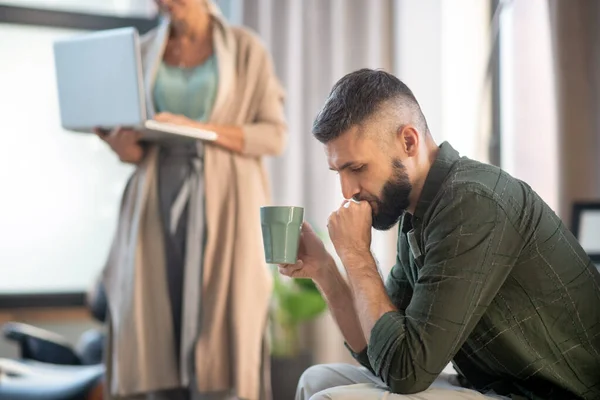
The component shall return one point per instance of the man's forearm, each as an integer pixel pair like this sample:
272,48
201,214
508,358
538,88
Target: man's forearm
371,298
341,303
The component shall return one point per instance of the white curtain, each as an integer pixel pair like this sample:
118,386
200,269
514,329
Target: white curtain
314,43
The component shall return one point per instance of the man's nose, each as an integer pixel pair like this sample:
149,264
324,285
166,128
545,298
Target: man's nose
350,187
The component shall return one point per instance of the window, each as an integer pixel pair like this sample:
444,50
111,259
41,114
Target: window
529,135
60,190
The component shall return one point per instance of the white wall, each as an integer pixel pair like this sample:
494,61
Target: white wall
60,191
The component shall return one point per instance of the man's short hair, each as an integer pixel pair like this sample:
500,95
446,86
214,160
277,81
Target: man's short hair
359,95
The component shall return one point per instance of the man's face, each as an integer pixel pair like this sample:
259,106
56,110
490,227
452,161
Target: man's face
369,172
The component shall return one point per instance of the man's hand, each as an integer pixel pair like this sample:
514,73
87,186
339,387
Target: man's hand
316,263
350,231
313,258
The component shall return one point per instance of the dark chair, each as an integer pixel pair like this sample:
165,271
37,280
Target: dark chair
49,368
32,380
47,347
41,345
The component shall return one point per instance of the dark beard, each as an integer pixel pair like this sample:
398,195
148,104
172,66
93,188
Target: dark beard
393,201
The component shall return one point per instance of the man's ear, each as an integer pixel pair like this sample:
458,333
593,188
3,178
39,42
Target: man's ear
409,138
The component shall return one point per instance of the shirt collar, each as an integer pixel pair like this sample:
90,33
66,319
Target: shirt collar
438,173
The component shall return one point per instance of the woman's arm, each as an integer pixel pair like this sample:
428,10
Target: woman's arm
266,135
229,137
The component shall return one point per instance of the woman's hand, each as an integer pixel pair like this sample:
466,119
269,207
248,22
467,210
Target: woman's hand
228,137
124,142
177,119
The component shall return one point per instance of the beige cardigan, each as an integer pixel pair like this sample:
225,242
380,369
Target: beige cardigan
230,352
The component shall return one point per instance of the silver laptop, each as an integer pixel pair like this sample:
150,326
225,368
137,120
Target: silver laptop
101,84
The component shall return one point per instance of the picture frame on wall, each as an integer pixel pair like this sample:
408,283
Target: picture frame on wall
586,227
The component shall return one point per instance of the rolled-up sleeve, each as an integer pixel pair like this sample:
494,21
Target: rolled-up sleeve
362,357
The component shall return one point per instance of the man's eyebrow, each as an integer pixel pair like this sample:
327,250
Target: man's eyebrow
343,167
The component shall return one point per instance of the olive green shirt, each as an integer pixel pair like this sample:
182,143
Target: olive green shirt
488,277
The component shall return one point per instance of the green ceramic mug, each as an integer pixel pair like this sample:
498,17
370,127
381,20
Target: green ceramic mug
281,226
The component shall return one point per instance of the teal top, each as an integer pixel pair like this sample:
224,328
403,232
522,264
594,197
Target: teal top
187,91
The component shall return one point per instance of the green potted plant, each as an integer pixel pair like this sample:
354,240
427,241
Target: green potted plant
295,301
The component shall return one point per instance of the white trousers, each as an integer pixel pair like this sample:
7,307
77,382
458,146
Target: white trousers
348,382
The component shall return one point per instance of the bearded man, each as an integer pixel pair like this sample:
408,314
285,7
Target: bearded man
487,276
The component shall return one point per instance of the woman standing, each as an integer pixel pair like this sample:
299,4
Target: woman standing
186,280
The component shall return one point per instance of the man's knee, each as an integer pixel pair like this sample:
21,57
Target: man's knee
359,391
318,378
320,396
312,381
